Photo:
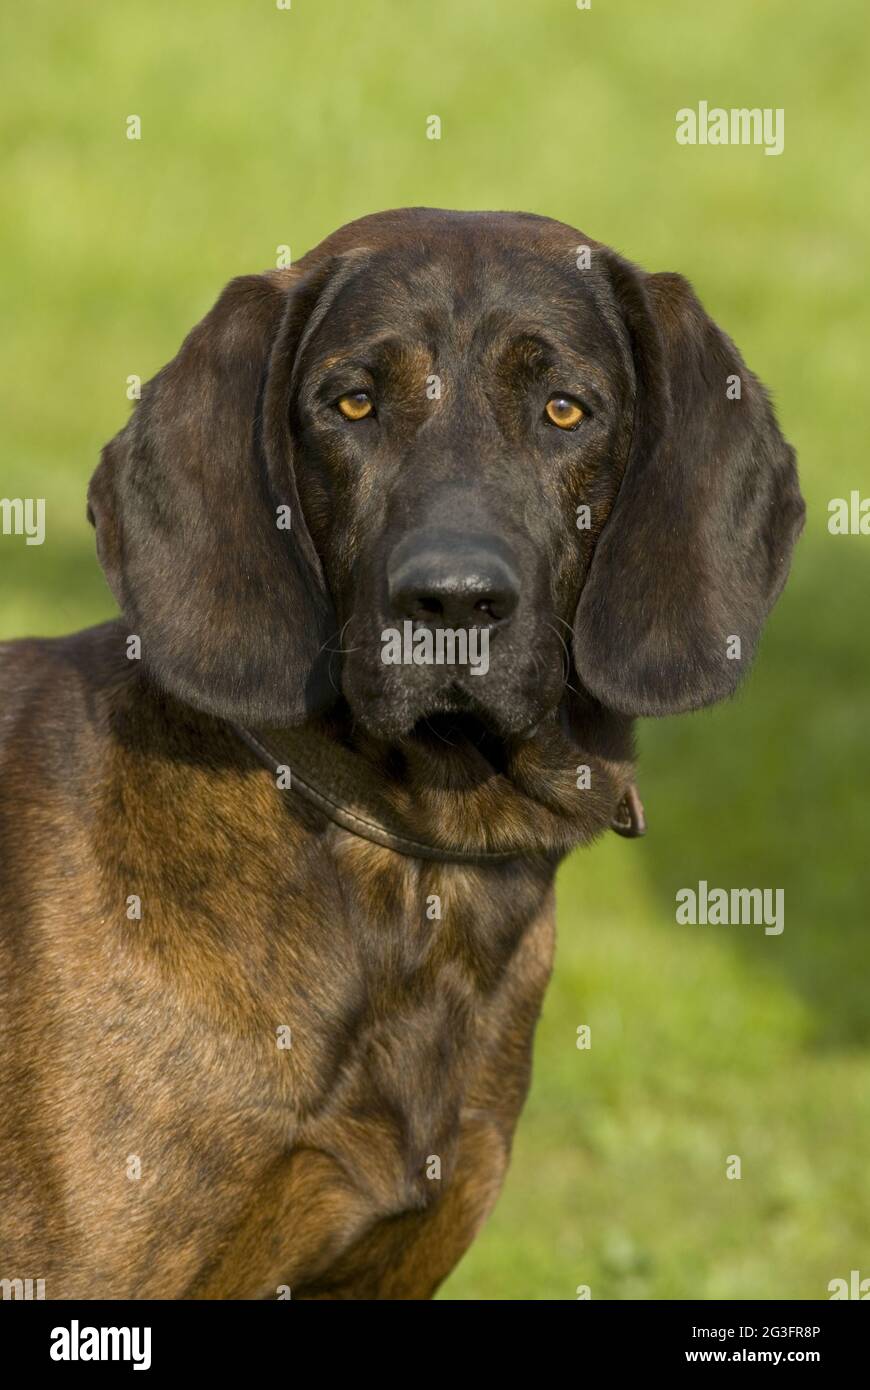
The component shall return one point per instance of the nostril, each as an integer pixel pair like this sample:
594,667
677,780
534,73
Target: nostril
458,604
456,608
494,609
426,608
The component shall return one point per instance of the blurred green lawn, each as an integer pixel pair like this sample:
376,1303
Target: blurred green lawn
262,127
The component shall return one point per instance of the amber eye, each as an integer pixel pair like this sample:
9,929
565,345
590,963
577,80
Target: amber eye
356,406
564,412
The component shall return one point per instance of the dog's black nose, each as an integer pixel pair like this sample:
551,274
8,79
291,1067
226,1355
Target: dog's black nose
452,581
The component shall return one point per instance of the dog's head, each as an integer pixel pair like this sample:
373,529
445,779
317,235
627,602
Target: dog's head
474,424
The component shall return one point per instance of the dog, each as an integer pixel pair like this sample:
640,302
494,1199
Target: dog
277,912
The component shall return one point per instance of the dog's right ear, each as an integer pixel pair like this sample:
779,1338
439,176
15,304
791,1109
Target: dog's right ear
192,502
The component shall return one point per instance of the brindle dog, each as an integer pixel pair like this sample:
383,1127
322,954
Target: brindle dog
277,916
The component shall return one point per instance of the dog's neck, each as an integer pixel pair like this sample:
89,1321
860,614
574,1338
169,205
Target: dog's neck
432,797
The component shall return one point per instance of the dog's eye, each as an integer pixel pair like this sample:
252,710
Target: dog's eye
356,406
564,412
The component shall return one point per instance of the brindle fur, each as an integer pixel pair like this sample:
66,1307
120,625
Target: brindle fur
411,1036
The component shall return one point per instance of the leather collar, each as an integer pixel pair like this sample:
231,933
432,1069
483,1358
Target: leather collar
447,803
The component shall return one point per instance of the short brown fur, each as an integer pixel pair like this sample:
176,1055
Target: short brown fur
360,1160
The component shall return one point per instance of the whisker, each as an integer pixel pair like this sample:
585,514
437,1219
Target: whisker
567,667
340,650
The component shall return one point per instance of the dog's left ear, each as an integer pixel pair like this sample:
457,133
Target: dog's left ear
199,527
697,546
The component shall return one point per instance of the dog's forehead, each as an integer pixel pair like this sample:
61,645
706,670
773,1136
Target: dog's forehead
403,228
448,270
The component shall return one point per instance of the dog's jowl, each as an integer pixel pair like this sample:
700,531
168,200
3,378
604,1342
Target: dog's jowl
277,911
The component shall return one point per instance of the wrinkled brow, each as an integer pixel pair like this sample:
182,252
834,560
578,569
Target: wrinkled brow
532,351
383,356
531,355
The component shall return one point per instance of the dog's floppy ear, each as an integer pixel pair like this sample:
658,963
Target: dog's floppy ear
192,502
697,546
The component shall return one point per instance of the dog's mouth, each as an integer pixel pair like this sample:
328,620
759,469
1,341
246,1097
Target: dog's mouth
458,720
456,730
503,699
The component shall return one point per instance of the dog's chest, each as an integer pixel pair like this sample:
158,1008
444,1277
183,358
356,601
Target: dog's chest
358,1053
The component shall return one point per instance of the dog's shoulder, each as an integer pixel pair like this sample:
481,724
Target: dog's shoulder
55,691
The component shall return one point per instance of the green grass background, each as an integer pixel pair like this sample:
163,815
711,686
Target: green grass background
263,127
